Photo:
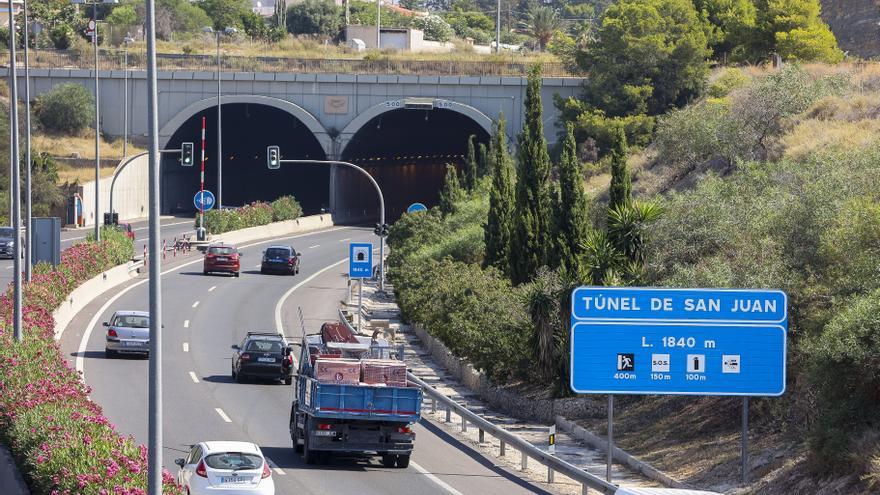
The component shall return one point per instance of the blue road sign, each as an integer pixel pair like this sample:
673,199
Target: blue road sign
205,198
360,260
416,207
678,341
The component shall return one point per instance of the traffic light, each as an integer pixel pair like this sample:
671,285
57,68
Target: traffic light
378,229
381,229
385,230
273,157
186,155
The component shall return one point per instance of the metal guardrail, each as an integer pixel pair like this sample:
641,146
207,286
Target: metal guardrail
526,449
113,59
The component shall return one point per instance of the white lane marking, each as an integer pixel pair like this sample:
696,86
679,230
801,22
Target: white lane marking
275,467
257,266
10,267
212,288
346,239
185,347
223,415
192,375
442,484
87,334
163,225
185,323
196,304
315,246
73,239
279,326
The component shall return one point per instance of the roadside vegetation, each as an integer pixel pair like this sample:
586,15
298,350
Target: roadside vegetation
218,221
60,439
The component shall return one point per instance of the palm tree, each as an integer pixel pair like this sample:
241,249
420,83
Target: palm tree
543,23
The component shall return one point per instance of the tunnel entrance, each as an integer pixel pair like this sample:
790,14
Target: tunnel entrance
248,128
406,151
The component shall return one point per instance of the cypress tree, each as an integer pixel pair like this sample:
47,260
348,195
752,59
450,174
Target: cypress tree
532,236
573,216
620,190
451,192
497,230
470,165
482,161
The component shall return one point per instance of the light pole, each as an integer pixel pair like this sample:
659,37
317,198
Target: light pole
15,191
27,150
498,28
378,24
154,422
128,39
94,4
227,31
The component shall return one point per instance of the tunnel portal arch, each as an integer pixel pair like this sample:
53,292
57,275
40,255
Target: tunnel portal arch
250,124
405,144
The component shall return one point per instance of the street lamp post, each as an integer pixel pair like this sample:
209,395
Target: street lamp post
378,24
27,150
15,191
128,39
227,31
94,4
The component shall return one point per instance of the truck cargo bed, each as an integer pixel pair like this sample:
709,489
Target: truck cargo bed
385,403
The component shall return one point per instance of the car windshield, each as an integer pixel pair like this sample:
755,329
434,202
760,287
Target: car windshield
132,321
264,346
234,461
6,232
221,250
277,252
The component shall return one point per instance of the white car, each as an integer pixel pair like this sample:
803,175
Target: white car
230,468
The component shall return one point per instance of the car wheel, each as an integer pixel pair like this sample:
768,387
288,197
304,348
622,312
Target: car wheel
234,376
237,274
309,455
403,461
262,271
204,272
288,380
388,460
239,377
109,353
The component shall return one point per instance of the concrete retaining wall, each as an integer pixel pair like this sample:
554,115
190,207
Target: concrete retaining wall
130,194
83,295
510,403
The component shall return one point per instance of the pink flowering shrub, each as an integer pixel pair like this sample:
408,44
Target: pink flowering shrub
251,215
61,440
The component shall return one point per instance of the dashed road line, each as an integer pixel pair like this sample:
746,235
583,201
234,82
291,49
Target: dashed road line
196,304
315,246
346,239
275,467
258,266
192,375
212,288
442,484
186,323
223,415
185,347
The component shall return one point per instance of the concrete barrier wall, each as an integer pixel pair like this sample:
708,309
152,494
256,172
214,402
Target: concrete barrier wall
83,295
130,194
277,229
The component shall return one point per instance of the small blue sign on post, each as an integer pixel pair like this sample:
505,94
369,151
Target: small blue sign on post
360,260
203,200
678,341
416,207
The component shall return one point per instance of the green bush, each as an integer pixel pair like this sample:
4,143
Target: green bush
315,17
286,208
68,108
729,80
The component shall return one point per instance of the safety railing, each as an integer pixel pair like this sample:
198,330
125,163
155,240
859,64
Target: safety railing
507,439
114,59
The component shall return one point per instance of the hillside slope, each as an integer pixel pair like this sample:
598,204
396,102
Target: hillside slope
855,24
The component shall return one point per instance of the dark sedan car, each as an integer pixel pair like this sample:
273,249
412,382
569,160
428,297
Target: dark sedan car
262,355
7,242
222,258
280,259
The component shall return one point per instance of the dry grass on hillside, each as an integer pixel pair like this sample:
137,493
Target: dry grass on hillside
72,175
81,146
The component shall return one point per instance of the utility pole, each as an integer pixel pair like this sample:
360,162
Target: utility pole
378,24
498,28
97,129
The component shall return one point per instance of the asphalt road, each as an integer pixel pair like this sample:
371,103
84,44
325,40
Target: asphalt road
171,227
203,316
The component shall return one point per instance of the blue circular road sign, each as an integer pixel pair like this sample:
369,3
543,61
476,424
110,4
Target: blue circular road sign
203,200
416,207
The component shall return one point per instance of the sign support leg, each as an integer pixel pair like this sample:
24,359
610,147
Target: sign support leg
744,441
360,302
610,437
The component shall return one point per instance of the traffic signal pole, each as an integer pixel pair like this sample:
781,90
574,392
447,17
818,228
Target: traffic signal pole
202,183
372,181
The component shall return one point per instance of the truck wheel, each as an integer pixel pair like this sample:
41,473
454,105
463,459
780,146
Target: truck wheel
294,436
403,461
388,460
309,455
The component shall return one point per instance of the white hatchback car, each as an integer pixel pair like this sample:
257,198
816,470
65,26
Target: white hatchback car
230,468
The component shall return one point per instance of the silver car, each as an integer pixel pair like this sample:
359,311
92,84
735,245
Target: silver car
128,332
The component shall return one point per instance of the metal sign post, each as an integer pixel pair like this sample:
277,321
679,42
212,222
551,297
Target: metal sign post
360,266
679,342
744,441
610,455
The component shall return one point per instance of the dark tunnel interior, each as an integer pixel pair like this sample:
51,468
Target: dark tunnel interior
247,130
406,151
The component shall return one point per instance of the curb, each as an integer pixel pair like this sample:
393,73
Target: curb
11,480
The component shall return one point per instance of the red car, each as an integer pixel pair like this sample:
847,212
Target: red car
222,258
126,227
